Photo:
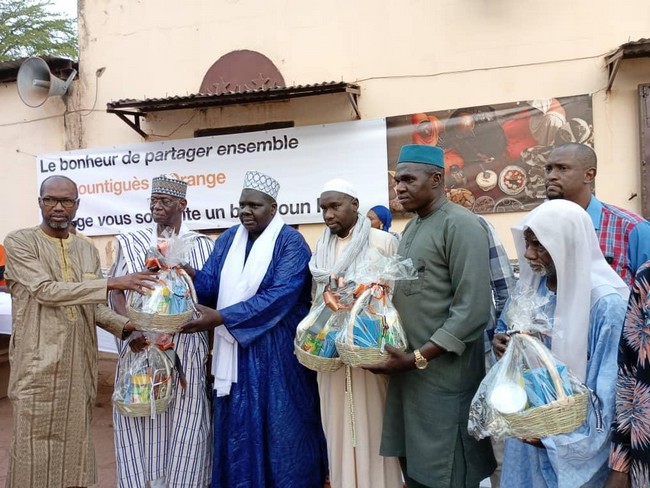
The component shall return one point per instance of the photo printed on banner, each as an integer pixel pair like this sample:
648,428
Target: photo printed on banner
494,154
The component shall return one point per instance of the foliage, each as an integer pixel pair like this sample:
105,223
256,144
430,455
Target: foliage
30,28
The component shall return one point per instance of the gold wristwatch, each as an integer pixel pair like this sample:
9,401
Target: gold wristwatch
420,361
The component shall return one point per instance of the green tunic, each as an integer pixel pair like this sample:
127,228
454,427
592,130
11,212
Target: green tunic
449,304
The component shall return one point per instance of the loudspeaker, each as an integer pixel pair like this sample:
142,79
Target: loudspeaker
36,83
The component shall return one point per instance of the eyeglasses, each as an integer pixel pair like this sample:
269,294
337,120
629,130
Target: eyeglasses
52,202
165,202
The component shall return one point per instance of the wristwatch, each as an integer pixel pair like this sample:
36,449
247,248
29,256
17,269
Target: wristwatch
420,361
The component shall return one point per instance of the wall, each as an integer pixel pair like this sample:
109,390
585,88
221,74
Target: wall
24,133
409,56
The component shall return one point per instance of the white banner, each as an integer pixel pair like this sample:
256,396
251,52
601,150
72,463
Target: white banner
115,182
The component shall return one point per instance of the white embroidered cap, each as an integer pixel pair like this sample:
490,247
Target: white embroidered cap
255,180
340,185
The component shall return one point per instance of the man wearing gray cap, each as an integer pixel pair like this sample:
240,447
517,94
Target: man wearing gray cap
174,448
342,247
267,430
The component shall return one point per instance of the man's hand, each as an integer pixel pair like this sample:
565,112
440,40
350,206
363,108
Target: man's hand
617,479
533,442
138,341
500,344
135,281
399,361
209,319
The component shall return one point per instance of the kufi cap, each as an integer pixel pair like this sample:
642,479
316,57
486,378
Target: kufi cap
419,153
255,180
342,186
168,186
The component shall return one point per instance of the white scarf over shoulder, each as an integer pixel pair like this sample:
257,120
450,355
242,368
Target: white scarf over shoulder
583,275
240,280
324,264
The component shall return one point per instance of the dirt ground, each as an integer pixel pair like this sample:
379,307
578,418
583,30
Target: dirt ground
102,426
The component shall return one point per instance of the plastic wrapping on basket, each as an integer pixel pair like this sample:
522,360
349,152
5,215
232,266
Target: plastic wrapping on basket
170,303
373,321
144,387
527,381
316,332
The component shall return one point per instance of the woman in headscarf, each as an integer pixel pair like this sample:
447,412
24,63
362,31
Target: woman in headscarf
381,218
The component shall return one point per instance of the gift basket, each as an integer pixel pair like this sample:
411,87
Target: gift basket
373,321
314,344
144,386
170,304
528,393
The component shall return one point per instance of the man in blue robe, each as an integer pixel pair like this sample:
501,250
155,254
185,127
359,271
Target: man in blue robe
254,289
560,258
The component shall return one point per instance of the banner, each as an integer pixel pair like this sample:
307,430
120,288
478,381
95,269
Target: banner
495,154
115,182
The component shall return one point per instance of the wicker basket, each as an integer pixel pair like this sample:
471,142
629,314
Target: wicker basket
158,322
154,406
316,363
564,415
352,354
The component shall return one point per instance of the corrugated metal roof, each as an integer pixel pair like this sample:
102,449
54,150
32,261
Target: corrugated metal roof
204,100
58,66
629,50
633,49
137,109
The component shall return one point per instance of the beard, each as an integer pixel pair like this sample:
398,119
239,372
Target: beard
64,224
542,269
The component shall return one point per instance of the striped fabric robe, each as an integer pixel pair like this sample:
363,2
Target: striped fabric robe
175,448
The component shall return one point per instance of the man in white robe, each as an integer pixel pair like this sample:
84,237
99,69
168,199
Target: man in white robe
343,246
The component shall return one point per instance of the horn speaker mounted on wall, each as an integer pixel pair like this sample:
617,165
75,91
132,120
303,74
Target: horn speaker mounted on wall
36,83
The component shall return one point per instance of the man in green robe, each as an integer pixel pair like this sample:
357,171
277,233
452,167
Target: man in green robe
58,295
443,313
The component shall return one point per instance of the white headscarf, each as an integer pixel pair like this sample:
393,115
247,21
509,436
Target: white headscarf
583,275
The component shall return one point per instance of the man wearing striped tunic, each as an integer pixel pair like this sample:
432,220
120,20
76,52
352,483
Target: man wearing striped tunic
174,449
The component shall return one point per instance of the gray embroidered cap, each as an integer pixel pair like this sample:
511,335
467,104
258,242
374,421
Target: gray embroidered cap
167,185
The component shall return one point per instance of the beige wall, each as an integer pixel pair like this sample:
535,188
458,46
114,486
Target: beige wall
408,56
24,132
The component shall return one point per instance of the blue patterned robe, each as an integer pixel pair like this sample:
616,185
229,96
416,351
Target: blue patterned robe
267,432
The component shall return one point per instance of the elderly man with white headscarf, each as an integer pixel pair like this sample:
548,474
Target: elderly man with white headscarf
343,246
560,257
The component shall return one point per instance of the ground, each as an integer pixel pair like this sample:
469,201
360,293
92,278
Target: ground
102,426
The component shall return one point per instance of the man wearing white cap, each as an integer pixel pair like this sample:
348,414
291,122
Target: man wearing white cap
267,430
174,448
343,246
